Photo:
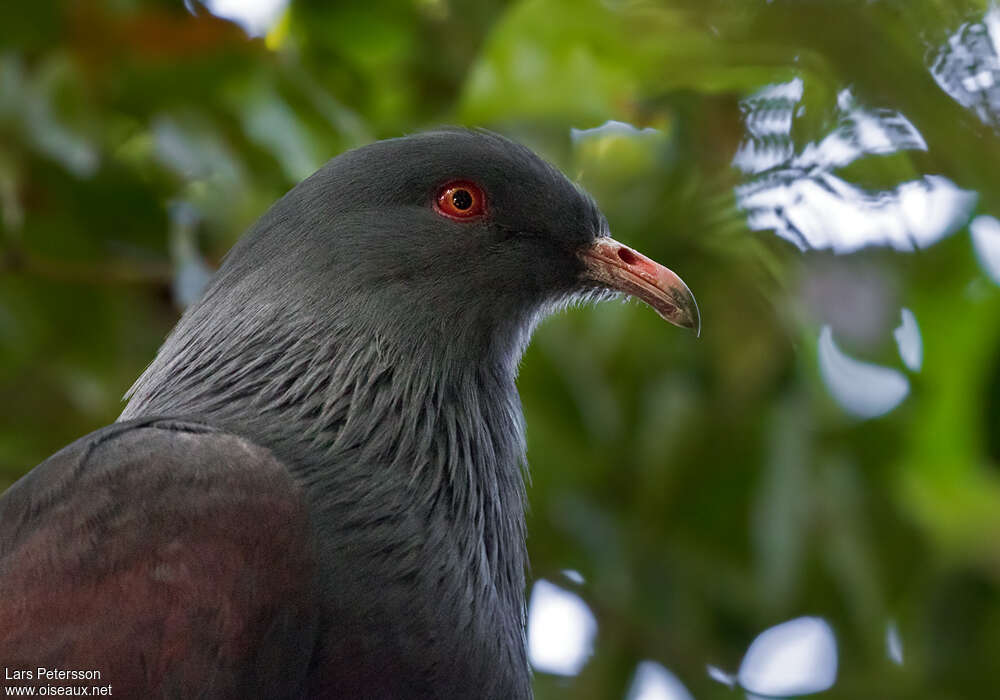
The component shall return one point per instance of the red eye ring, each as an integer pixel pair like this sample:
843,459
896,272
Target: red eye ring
462,200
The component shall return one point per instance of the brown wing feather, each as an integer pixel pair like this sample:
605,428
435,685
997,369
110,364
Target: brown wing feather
173,558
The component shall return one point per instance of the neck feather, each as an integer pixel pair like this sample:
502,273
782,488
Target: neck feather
375,432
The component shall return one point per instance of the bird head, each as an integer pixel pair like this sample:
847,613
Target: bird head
453,233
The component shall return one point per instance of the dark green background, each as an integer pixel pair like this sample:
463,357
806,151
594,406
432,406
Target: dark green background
705,488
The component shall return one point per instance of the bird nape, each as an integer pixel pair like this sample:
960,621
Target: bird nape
316,487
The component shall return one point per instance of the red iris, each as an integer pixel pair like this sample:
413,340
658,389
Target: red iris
461,200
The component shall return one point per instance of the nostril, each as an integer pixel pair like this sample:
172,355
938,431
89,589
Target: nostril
627,256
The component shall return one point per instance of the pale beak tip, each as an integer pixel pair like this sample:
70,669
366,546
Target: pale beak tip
689,315
695,316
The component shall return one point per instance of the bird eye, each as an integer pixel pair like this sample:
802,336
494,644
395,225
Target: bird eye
461,200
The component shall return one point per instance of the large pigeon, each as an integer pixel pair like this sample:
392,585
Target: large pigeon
316,488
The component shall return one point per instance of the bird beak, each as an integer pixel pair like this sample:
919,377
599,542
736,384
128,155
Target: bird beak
616,266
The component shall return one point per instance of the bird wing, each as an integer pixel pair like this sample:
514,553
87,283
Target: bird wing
172,558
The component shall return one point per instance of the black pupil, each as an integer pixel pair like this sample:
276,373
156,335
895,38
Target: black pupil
461,199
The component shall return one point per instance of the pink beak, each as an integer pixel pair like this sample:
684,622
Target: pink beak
616,266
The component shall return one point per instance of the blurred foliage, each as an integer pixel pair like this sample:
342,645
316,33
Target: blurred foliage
705,488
